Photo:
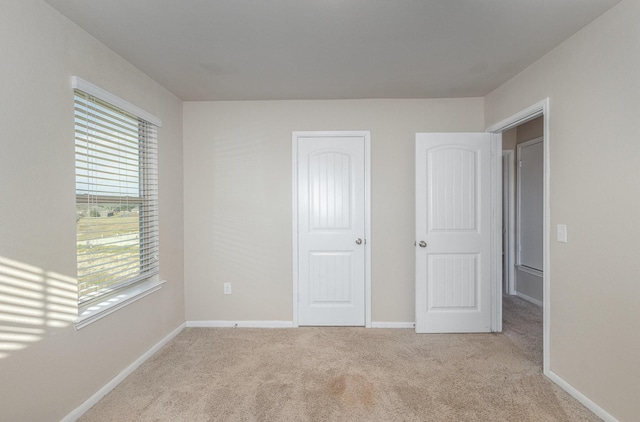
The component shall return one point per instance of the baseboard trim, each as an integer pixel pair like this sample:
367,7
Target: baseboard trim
586,401
279,324
529,299
82,409
382,324
240,324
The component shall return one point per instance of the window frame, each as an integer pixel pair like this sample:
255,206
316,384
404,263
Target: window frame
127,290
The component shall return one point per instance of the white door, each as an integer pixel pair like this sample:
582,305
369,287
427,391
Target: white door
331,229
453,232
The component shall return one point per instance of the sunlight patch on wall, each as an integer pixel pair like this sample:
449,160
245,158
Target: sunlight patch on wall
32,300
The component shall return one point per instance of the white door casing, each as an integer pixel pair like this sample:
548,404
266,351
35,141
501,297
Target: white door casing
330,233
508,220
456,227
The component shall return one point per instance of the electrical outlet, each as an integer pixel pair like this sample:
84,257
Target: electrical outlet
227,288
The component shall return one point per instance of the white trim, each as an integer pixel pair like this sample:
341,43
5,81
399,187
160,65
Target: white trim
586,401
280,324
382,324
239,324
530,270
367,214
111,304
294,222
529,299
541,108
524,116
531,142
96,91
509,248
367,228
496,232
95,398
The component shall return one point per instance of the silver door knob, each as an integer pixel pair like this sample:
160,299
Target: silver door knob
422,244
358,241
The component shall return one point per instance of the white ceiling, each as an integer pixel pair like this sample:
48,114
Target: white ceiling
331,49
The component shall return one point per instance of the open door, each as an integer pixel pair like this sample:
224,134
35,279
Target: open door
457,205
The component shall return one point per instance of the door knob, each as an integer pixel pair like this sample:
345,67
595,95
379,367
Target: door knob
422,244
358,241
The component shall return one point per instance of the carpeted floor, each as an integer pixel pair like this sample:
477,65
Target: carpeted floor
346,374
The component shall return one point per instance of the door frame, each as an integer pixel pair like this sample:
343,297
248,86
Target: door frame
496,232
295,135
509,207
538,109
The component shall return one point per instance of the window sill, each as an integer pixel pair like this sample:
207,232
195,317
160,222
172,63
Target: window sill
112,304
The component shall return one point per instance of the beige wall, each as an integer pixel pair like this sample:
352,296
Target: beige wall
509,139
46,368
531,130
594,89
529,285
238,207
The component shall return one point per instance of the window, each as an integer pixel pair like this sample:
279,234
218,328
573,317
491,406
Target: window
116,196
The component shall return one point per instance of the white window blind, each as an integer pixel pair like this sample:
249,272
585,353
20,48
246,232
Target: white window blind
116,198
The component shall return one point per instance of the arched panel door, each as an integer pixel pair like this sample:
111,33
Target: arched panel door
331,230
453,232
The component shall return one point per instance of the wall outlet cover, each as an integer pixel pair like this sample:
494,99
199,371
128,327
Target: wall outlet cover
562,233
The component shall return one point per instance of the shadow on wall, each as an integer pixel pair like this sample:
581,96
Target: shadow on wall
32,301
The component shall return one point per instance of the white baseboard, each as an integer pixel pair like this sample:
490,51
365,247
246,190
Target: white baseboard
279,324
80,410
382,324
529,299
240,324
586,401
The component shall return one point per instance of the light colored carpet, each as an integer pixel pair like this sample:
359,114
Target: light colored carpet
346,374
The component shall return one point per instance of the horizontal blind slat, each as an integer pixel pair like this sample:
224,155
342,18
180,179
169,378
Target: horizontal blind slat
85,135
116,172
91,110
106,155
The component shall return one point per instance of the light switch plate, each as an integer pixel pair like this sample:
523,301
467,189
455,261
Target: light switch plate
562,233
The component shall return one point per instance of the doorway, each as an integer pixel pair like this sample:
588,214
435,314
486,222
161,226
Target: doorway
540,109
331,226
529,221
